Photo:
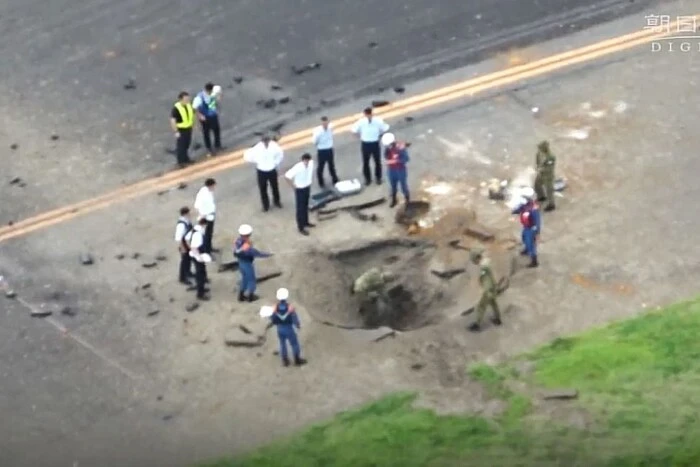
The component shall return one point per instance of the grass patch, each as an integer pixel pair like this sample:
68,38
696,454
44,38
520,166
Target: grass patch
638,380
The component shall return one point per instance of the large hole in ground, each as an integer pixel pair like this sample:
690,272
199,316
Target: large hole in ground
382,283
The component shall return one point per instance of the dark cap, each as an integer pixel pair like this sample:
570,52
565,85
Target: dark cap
306,156
184,211
209,182
368,111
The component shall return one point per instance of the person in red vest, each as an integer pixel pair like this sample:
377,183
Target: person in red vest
530,220
396,157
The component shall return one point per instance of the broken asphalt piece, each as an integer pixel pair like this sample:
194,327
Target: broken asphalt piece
303,69
54,137
149,265
40,312
380,103
153,313
284,100
161,257
417,366
276,87
372,45
560,394
10,294
15,181
120,256
167,417
409,119
130,85
267,103
480,233
182,186
354,207
456,245
238,79
146,286
236,337
136,256
68,311
14,146
86,259
449,274
399,89
192,306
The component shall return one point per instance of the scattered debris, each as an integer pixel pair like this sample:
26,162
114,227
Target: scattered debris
408,119
15,181
136,256
182,186
479,232
192,306
363,217
354,207
54,137
40,312
204,339
560,394
130,85
372,45
167,417
417,366
161,256
86,259
560,184
399,89
380,103
457,246
153,313
284,100
10,294
303,69
267,103
14,146
449,274
149,265
68,311
146,286
276,87
11,223
238,79
236,337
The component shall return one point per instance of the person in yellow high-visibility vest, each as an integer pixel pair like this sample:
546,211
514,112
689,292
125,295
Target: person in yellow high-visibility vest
182,121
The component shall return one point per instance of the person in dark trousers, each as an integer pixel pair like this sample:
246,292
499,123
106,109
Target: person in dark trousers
531,221
396,157
267,155
285,318
245,253
206,105
205,205
300,177
182,228
182,121
200,258
370,129
323,141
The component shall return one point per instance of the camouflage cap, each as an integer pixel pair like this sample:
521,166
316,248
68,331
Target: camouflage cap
544,145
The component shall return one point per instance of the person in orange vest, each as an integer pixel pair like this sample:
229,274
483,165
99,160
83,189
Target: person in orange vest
285,318
396,157
244,252
530,220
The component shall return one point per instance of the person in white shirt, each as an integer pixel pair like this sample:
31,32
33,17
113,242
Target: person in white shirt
206,207
300,177
196,242
267,155
323,141
182,228
370,129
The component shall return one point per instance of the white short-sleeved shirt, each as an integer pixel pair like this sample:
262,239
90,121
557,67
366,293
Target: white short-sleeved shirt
323,137
204,203
301,175
370,130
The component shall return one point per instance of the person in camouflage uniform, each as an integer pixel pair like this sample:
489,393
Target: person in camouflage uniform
544,182
489,290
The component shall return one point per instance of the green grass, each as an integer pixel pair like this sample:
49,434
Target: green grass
639,385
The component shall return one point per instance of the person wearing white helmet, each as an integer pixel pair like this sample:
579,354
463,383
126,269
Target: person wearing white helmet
244,252
530,220
286,320
396,157
206,105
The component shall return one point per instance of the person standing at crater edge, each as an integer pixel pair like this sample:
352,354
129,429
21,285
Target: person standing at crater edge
489,290
370,129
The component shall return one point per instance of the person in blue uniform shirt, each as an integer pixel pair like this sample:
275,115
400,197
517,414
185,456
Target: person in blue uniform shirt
286,320
244,252
530,220
396,157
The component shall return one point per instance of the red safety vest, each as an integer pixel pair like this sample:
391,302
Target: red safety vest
392,157
526,218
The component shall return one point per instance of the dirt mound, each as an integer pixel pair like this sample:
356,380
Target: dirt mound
405,296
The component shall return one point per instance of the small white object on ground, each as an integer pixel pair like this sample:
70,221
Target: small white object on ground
348,187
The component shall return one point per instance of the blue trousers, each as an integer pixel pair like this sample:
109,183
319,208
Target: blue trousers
529,241
286,333
398,178
248,282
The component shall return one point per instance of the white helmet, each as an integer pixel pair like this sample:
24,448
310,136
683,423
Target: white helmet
528,192
388,138
216,91
282,294
245,229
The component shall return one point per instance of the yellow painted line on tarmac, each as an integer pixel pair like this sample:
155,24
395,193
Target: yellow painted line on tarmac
298,139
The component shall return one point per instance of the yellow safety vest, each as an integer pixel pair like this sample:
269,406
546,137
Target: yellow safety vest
186,114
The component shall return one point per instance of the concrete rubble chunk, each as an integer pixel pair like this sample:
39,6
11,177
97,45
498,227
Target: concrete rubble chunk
235,337
153,313
86,259
192,306
10,294
149,265
41,312
15,181
560,394
479,232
